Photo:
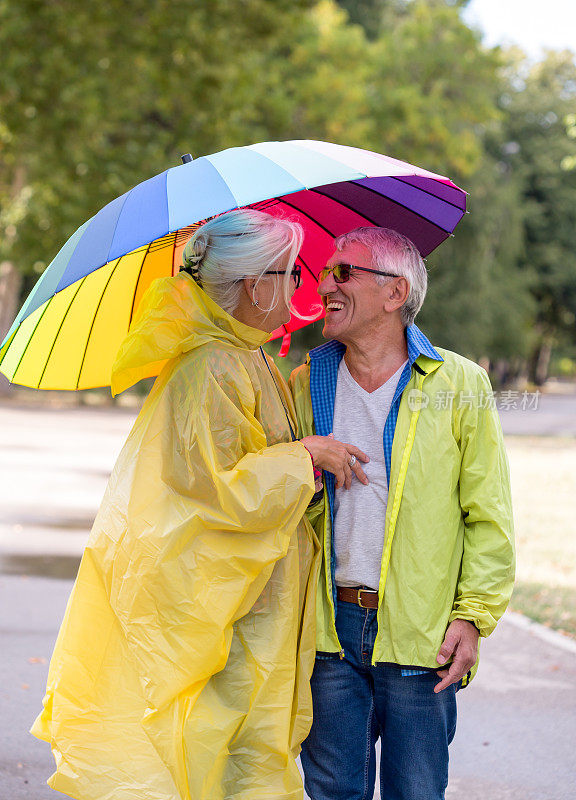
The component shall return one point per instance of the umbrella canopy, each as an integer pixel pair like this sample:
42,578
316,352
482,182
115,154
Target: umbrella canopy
69,329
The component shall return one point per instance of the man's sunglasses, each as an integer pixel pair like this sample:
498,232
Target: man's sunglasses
296,274
342,272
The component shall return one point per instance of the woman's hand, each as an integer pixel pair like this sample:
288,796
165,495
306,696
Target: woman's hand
334,456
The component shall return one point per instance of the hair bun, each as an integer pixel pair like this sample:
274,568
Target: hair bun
193,254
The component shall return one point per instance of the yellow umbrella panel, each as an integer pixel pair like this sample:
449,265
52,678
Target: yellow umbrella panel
71,340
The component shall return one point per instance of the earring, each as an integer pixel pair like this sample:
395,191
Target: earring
254,302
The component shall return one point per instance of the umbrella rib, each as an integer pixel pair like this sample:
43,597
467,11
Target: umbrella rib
351,208
425,191
173,256
400,205
128,193
59,329
136,285
161,242
31,337
93,321
306,267
305,214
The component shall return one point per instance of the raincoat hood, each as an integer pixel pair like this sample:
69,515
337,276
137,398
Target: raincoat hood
175,317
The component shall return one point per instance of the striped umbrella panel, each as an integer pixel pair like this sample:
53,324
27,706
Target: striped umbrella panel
72,324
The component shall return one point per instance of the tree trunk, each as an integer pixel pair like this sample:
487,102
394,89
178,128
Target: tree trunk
10,278
10,284
541,361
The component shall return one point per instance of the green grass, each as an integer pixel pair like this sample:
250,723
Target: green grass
554,606
543,471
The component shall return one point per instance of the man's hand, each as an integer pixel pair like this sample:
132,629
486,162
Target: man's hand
461,642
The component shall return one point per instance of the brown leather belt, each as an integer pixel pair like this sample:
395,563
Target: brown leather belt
365,598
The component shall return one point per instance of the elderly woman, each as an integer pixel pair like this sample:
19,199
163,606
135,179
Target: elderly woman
182,666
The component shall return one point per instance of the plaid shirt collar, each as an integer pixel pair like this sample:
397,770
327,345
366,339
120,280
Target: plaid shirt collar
419,345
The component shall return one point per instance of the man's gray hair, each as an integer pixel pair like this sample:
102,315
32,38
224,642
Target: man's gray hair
393,252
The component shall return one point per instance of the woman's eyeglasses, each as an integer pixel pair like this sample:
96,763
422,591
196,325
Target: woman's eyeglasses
296,274
342,272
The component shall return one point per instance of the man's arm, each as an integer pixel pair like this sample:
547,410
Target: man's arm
487,572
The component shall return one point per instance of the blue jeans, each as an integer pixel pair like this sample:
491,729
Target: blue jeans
355,703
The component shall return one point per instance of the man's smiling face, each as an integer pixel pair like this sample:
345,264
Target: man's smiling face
357,306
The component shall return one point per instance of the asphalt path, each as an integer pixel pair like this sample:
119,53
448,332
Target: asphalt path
516,727
535,414
517,721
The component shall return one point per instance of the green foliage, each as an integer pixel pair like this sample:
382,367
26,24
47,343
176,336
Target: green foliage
322,86
479,302
419,92
432,86
541,149
95,97
371,14
426,91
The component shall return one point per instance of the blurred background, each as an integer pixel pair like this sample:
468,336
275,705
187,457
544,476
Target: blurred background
95,97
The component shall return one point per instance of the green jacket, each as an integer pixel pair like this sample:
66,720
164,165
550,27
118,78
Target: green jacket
449,548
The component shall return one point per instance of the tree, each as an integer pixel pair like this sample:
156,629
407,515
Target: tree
95,97
432,86
318,87
479,301
540,147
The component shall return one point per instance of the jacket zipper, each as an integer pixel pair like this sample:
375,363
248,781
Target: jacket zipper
399,491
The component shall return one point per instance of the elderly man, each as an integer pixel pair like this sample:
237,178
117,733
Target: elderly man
418,564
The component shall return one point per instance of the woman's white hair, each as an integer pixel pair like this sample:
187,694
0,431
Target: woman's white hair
242,244
393,252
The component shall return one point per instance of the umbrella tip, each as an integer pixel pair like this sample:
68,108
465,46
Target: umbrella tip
186,158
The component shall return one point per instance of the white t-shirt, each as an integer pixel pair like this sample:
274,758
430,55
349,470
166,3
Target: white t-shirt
360,512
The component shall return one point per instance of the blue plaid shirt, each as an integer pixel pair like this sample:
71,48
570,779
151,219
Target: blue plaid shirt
324,363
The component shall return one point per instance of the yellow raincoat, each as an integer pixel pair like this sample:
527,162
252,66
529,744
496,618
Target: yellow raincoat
182,665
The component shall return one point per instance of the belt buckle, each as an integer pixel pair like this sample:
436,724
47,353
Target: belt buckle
358,598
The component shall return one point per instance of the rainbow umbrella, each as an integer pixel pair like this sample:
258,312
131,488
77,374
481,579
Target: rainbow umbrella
70,328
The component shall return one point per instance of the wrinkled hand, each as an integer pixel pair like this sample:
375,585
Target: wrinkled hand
461,643
334,456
